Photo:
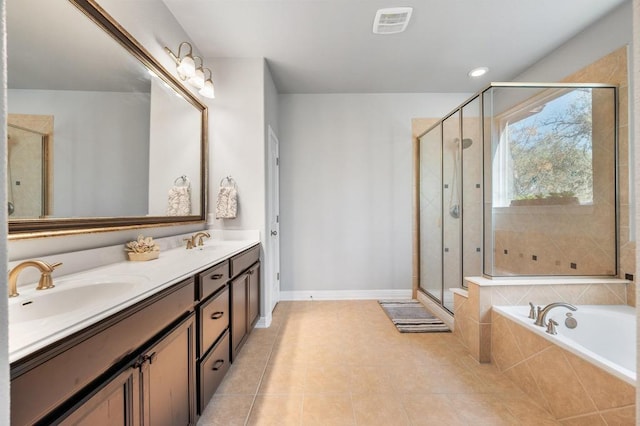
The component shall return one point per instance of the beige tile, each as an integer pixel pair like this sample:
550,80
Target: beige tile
276,410
370,379
226,410
559,384
283,379
479,410
327,410
431,409
528,342
484,343
606,390
241,379
522,376
327,378
586,420
379,409
621,416
385,377
505,351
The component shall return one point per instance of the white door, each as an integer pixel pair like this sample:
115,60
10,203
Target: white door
273,257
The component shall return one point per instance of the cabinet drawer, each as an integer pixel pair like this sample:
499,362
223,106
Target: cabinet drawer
214,319
212,280
211,371
243,260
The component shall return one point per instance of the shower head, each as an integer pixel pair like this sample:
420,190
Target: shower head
466,142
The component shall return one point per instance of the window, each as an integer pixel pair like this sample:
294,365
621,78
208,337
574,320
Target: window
544,153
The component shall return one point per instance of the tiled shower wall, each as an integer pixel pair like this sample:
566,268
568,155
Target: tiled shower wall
525,247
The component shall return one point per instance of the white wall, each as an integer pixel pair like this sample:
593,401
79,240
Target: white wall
596,41
345,189
236,138
271,99
97,152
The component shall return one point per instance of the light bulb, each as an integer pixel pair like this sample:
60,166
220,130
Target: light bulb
207,90
187,67
197,80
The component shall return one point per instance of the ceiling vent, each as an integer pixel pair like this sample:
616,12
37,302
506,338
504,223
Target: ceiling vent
392,20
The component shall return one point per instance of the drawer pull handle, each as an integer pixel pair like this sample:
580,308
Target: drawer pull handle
217,315
216,276
218,364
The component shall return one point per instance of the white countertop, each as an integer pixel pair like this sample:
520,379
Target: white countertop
171,267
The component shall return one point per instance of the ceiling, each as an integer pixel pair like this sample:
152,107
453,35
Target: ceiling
327,46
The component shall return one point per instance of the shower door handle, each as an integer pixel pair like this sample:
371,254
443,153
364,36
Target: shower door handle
274,233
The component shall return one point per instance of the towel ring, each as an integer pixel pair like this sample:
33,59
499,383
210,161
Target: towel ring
229,180
184,180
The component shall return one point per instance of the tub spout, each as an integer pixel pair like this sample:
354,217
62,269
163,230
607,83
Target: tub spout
542,312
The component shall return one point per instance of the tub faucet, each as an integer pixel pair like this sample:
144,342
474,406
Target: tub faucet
45,275
542,312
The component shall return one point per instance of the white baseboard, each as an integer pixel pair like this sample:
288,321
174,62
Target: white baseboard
263,322
437,310
345,295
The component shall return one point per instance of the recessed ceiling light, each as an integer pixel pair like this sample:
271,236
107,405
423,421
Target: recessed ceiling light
477,72
392,20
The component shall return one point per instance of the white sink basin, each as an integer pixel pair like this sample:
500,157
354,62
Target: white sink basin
72,295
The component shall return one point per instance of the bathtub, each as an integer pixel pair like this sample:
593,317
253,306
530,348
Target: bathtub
605,335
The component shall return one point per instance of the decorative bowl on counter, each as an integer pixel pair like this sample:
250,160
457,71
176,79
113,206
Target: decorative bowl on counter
149,255
142,249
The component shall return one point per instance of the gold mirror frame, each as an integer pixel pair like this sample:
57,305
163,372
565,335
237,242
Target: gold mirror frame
33,228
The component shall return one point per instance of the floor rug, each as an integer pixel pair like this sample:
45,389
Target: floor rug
410,316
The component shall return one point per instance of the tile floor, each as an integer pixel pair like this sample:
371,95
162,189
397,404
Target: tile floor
344,363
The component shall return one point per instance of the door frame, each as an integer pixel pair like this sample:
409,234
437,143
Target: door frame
272,249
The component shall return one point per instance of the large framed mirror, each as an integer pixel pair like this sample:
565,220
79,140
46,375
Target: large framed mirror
122,142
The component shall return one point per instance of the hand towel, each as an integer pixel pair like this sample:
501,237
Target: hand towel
227,205
179,201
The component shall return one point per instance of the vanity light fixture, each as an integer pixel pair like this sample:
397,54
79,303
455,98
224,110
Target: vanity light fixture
187,70
207,89
197,79
185,65
478,72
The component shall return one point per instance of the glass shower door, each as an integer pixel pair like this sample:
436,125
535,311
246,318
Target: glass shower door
431,212
471,189
452,215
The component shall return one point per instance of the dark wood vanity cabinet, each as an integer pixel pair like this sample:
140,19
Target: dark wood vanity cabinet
94,365
156,388
158,362
245,297
213,342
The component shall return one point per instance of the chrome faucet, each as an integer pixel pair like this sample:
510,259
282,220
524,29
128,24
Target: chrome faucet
45,275
200,236
542,312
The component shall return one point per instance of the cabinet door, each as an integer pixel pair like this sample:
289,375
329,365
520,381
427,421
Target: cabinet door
238,313
117,403
254,295
168,379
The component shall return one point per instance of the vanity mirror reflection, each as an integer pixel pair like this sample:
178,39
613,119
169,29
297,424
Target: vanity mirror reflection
122,130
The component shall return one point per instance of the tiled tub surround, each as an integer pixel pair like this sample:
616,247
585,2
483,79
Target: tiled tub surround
472,307
174,265
575,390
